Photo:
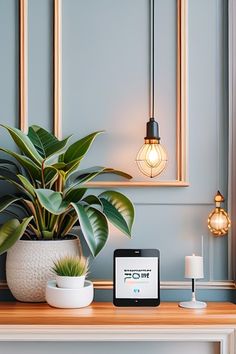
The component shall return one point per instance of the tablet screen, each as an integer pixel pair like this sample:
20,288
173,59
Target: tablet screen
136,277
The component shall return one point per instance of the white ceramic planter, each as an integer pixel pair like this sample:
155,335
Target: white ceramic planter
70,282
29,263
69,298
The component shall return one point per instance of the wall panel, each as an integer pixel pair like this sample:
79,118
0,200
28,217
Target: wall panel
105,85
40,16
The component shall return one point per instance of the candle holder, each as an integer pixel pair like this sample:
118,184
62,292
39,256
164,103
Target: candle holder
193,304
193,270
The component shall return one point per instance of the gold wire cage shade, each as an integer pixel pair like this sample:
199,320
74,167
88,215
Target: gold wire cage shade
218,220
151,158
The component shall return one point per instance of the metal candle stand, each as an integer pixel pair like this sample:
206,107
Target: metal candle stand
193,304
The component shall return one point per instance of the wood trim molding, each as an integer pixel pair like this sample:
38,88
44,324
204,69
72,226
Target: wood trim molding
23,65
232,136
224,336
181,116
174,285
165,285
57,57
182,90
111,184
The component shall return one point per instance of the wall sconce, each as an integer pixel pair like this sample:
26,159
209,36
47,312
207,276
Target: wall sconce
152,157
218,220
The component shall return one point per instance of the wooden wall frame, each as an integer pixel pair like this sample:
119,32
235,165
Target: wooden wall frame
181,91
232,138
23,65
181,116
57,70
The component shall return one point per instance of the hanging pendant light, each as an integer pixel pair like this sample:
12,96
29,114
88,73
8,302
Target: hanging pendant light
152,157
218,220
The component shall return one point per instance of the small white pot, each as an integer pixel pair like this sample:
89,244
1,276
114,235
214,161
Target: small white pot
69,298
70,282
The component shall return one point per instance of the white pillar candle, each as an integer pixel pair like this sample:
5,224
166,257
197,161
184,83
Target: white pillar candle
194,267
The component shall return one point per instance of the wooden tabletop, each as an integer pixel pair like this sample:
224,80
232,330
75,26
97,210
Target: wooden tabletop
102,313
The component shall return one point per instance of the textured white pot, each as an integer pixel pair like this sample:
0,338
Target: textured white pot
28,266
70,282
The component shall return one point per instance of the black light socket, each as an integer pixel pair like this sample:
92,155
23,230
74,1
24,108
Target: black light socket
152,129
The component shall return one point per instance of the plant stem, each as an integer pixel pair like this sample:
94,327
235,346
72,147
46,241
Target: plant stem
39,216
32,209
80,247
43,177
53,222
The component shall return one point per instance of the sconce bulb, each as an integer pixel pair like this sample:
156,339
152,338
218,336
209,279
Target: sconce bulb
151,158
218,220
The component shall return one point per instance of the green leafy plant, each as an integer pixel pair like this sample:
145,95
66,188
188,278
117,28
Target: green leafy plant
51,193
71,266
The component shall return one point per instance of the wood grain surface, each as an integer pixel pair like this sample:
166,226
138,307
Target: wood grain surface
14,313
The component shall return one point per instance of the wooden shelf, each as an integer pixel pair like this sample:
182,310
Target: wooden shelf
105,314
105,322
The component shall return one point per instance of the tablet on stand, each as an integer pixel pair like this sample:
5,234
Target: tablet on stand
136,277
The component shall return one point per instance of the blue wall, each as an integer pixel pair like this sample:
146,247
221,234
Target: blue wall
105,86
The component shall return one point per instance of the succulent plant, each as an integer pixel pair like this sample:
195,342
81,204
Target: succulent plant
71,266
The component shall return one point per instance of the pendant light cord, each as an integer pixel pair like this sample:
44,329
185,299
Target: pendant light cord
152,112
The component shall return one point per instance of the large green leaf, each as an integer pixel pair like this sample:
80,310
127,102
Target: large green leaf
71,167
45,143
78,179
16,184
8,175
52,201
94,227
86,175
83,176
59,165
93,201
11,231
79,182
26,184
4,162
116,172
7,200
75,195
24,144
77,150
119,210
33,169
50,175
